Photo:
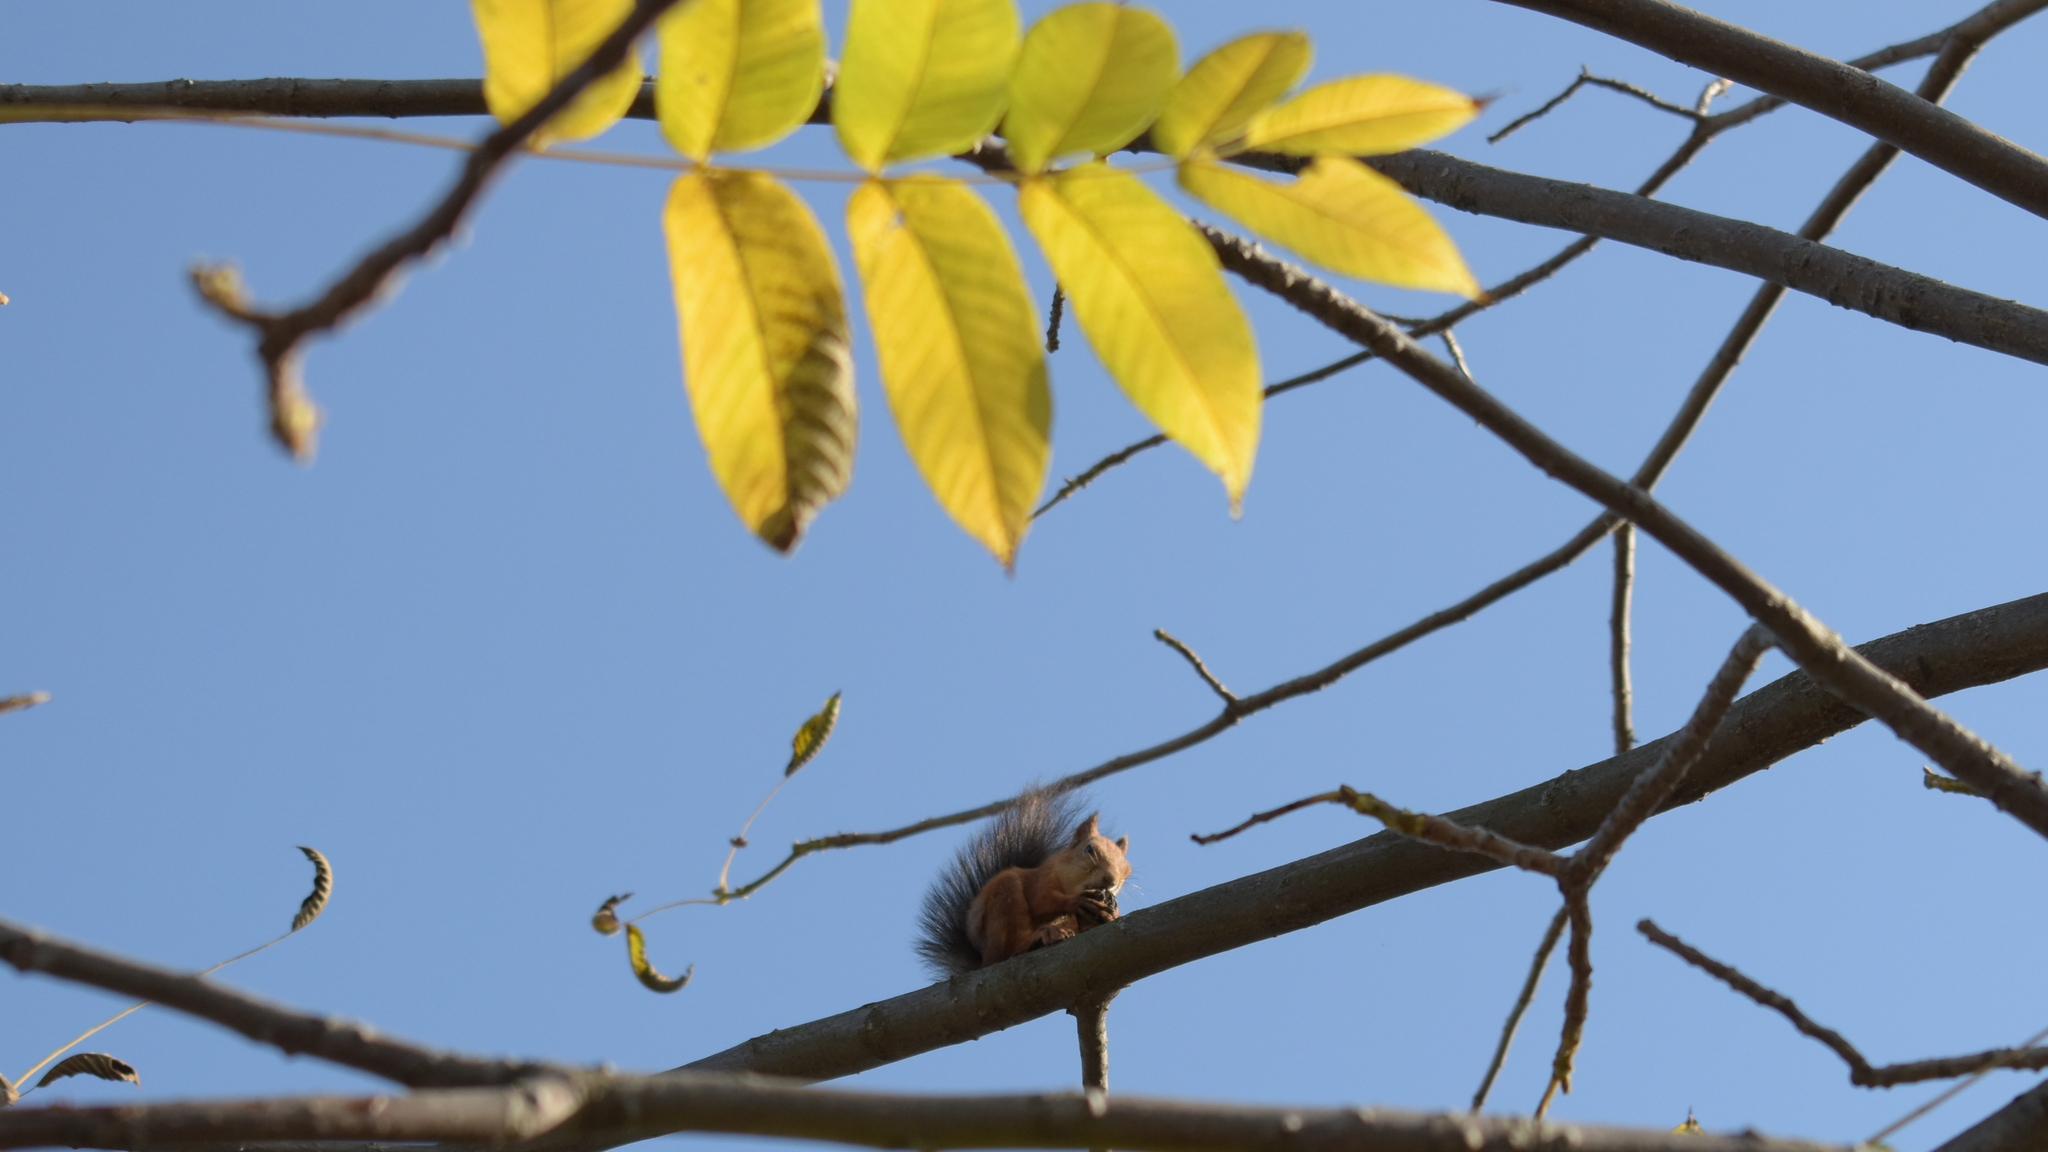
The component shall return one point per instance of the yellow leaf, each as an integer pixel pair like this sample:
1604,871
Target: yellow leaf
1089,78
91,1064
811,736
1362,116
529,45
1216,101
1147,290
1342,215
606,919
636,954
957,337
1691,1126
764,347
323,887
738,74
921,77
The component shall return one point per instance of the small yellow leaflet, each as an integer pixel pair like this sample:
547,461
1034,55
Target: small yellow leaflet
1342,215
1362,116
529,45
1089,78
957,338
650,977
765,354
1219,96
1149,294
921,77
738,74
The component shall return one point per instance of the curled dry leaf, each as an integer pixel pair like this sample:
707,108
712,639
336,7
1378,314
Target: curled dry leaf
636,951
91,1064
26,699
810,738
323,887
606,921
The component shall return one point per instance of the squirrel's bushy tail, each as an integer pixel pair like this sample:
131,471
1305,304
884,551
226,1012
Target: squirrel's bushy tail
1038,825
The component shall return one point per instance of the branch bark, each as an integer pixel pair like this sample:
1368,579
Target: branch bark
1829,87
636,1108
288,1030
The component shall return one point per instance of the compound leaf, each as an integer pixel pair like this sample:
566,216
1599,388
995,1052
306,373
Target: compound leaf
1342,215
765,354
1088,79
636,954
921,77
1218,98
738,74
958,342
1147,290
529,45
1362,116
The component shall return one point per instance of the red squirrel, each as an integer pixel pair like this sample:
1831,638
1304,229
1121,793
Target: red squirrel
1036,876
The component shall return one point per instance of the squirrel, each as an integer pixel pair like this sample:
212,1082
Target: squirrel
1036,876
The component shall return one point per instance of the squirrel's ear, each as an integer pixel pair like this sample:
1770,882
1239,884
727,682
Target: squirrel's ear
1123,843
1087,831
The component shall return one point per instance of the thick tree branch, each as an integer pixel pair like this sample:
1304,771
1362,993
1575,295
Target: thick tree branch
1762,728
2020,1126
1803,637
1826,86
634,1108
290,1031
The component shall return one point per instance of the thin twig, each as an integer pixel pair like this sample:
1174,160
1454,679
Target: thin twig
1264,817
1617,637
1861,1072
25,700
1451,834
1052,320
1457,351
1577,999
1091,1022
1228,697
1522,1002
1584,78
294,419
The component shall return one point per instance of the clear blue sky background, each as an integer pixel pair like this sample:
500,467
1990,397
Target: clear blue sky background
504,651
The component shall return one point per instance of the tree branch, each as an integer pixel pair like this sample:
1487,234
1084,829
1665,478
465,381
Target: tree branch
1762,728
1803,637
2020,1126
633,1108
1861,1072
290,1031
1826,86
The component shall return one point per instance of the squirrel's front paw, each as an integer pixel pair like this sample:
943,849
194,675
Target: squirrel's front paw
1060,929
1095,908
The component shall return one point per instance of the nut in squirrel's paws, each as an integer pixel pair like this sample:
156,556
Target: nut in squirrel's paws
1095,908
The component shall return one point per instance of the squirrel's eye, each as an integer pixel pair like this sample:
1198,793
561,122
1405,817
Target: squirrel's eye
1091,849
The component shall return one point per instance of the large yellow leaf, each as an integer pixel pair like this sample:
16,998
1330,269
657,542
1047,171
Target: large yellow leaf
764,346
921,77
1147,290
957,338
529,45
1216,101
1342,215
1088,79
738,74
1362,116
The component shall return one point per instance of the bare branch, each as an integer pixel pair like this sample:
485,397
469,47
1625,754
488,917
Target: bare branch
1579,954
281,335
1052,331
1451,834
1826,86
289,1031
630,1108
25,700
1228,697
1585,78
1804,638
1764,727
1091,1023
2020,1126
1507,1032
1342,796
471,1115
1861,1072
1617,636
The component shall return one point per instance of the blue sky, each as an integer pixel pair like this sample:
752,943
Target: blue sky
504,651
